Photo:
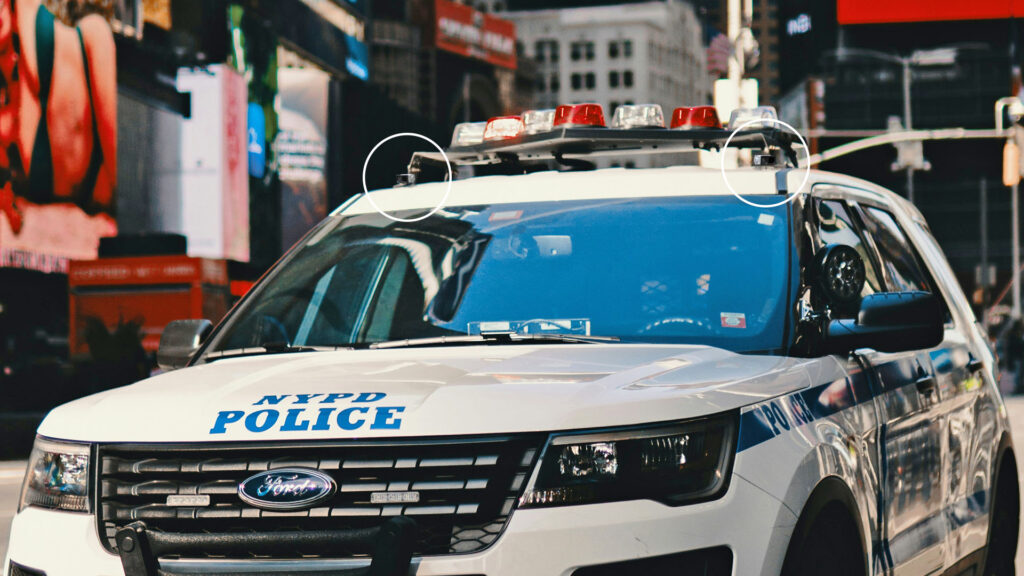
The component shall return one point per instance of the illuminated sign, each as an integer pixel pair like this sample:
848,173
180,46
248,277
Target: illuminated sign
799,25
468,32
886,11
56,206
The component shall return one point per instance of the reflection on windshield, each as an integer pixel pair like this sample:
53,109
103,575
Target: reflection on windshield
703,270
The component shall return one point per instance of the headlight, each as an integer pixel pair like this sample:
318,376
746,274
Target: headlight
672,464
57,477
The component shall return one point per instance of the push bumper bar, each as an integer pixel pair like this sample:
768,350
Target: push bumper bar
391,545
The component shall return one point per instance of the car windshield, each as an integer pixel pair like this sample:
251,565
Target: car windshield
687,270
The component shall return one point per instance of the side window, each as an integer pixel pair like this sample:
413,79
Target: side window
903,271
835,226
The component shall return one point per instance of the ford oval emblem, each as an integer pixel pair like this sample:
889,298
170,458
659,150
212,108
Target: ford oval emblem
287,489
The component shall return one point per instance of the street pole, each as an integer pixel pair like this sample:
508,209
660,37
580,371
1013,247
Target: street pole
1015,233
907,122
466,112
983,199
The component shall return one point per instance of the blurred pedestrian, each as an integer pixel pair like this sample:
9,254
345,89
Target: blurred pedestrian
1015,353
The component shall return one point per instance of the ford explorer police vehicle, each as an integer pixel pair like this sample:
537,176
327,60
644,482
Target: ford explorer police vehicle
559,371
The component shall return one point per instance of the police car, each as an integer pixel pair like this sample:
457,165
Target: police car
559,370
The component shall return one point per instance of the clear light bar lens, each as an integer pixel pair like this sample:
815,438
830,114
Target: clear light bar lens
537,121
468,133
638,116
741,116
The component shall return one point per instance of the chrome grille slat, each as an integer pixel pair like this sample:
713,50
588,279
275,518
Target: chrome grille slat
467,489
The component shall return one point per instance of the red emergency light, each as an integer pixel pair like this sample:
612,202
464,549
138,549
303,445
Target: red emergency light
692,117
577,115
503,128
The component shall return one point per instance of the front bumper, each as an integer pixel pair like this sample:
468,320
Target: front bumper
552,541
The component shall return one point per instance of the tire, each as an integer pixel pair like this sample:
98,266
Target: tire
828,544
1004,525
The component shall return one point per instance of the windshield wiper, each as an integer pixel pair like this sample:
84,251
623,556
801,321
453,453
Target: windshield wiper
492,338
269,348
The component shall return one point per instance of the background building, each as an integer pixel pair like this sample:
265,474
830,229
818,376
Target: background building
650,52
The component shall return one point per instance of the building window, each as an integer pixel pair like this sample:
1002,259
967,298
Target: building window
613,79
627,103
613,106
627,49
545,50
554,83
627,78
613,49
582,51
577,81
591,81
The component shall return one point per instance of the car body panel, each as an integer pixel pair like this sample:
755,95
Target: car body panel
442,392
917,467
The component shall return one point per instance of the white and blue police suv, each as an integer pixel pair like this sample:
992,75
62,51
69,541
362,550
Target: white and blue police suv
559,371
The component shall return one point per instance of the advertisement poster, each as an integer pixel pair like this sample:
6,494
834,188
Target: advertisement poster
215,172
886,11
58,137
301,150
471,33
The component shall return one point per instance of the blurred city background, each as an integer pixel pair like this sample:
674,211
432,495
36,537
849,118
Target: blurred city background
236,125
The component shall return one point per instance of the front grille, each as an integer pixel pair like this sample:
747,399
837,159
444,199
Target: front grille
468,489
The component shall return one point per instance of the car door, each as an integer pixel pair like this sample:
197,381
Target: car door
913,532
916,390
966,419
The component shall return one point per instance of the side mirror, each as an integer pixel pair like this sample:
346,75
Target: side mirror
889,322
839,273
180,341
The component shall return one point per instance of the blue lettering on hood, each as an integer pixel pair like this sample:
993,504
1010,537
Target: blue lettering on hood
346,411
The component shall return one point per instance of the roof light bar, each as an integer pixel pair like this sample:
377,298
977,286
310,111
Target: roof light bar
695,117
503,128
741,116
579,115
537,121
468,133
630,116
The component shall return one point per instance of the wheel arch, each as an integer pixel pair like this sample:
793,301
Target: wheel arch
1005,454
829,493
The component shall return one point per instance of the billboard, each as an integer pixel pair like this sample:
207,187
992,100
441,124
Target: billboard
58,140
886,11
214,210
471,33
301,148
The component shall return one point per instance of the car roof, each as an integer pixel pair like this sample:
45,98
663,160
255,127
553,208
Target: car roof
545,186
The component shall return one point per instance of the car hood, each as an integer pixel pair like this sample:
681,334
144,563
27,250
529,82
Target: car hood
419,392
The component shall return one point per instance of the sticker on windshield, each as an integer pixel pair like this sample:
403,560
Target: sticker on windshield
734,320
505,215
766,219
535,326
